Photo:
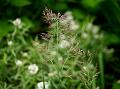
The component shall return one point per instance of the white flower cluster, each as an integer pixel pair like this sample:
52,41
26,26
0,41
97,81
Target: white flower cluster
17,23
64,44
18,63
73,25
91,30
41,85
10,43
25,54
33,69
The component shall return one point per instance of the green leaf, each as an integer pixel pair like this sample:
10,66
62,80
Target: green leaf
116,86
78,14
91,3
60,6
112,39
20,3
4,28
27,22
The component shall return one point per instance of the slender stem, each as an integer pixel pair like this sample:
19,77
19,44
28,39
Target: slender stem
14,33
43,82
57,33
94,84
100,57
57,39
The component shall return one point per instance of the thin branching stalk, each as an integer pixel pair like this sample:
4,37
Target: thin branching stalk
100,57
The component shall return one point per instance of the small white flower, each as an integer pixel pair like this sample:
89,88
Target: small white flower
33,69
68,18
74,25
41,85
118,81
89,26
64,44
10,43
25,54
17,22
84,35
97,87
19,63
95,29
69,15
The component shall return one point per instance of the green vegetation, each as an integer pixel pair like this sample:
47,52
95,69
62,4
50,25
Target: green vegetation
59,44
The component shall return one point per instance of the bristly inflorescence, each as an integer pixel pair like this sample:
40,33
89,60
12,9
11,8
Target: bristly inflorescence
50,17
45,36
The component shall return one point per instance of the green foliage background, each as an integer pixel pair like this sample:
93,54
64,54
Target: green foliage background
106,14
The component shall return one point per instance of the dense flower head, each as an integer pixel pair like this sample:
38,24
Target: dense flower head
69,21
41,85
18,63
17,23
25,54
10,43
33,69
50,17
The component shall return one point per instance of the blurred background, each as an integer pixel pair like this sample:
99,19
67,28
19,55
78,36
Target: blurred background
103,13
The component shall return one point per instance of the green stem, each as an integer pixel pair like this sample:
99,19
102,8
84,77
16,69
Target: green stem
101,66
14,33
94,84
43,82
57,39
57,33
